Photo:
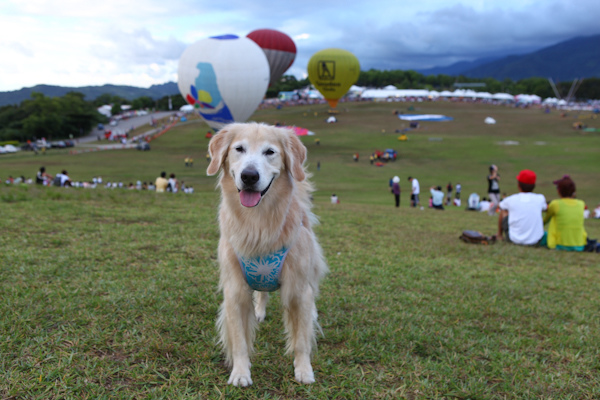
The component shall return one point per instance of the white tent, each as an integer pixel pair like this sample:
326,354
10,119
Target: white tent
483,95
105,110
503,96
393,93
550,101
528,98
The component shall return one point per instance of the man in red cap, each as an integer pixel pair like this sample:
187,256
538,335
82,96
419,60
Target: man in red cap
521,214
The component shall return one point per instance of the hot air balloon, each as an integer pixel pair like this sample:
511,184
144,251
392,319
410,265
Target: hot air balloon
224,78
332,72
279,49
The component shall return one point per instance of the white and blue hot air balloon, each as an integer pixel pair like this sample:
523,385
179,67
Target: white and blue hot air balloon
224,77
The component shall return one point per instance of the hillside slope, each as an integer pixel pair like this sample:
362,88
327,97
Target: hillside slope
90,92
565,61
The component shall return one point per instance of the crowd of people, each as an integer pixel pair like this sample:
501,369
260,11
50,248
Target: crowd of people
62,179
438,198
170,184
522,216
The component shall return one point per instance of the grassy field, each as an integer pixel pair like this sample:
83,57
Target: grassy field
113,293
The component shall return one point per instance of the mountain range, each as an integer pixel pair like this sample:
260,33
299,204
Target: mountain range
565,61
90,92
574,58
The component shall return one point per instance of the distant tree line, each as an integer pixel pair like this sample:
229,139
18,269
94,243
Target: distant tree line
70,115
52,118
56,118
589,89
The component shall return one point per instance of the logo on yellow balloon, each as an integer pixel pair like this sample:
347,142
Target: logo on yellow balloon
326,70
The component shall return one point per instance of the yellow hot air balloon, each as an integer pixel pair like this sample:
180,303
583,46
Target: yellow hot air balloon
333,72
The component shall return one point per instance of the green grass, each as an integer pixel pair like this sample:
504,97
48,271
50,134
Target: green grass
113,293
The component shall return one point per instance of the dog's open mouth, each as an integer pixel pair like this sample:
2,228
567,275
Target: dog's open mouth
251,198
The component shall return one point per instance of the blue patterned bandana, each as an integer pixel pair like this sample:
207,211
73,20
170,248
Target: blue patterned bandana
262,273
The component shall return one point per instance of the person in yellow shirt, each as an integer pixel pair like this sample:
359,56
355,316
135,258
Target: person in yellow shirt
565,218
161,183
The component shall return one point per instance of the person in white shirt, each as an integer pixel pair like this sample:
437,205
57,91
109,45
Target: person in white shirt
437,197
334,199
484,205
414,194
520,216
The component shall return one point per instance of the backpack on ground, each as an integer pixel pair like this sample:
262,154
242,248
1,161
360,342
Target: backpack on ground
476,237
56,181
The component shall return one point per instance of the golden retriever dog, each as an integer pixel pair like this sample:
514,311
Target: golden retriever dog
267,242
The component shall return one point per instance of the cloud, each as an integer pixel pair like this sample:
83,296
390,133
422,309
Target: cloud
70,43
138,47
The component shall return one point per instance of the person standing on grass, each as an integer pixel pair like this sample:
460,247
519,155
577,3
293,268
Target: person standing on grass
520,220
457,191
449,195
565,218
414,194
396,190
161,183
493,189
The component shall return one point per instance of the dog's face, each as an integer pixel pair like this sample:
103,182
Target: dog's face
254,156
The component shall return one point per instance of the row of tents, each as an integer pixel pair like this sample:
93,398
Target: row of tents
390,92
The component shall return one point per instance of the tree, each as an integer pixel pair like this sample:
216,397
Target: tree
116,108
142,103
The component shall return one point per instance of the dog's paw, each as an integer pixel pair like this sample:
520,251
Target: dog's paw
304,375
240,378
260,315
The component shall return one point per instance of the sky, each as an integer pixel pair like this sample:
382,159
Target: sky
138,43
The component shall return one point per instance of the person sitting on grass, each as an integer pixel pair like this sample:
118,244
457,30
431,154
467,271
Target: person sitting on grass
565,218
437,197
520,220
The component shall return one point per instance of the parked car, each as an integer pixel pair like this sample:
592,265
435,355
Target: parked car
143,146
100,127
60,144
70,143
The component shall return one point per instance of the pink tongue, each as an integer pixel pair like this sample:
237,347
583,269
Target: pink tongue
249,198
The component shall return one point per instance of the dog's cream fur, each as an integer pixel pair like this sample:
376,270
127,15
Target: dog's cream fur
282,217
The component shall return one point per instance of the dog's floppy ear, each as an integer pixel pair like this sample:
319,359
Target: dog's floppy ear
295,156
217,148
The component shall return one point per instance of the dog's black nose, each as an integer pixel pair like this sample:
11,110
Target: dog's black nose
250,176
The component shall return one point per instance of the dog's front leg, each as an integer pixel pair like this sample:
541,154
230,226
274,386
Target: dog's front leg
237,332
300,318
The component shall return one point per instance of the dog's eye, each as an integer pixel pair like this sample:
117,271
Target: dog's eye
240,149
269,152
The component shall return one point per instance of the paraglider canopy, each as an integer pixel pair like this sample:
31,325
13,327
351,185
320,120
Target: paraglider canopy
333,72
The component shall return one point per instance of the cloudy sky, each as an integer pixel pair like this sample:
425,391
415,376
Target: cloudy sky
138,43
